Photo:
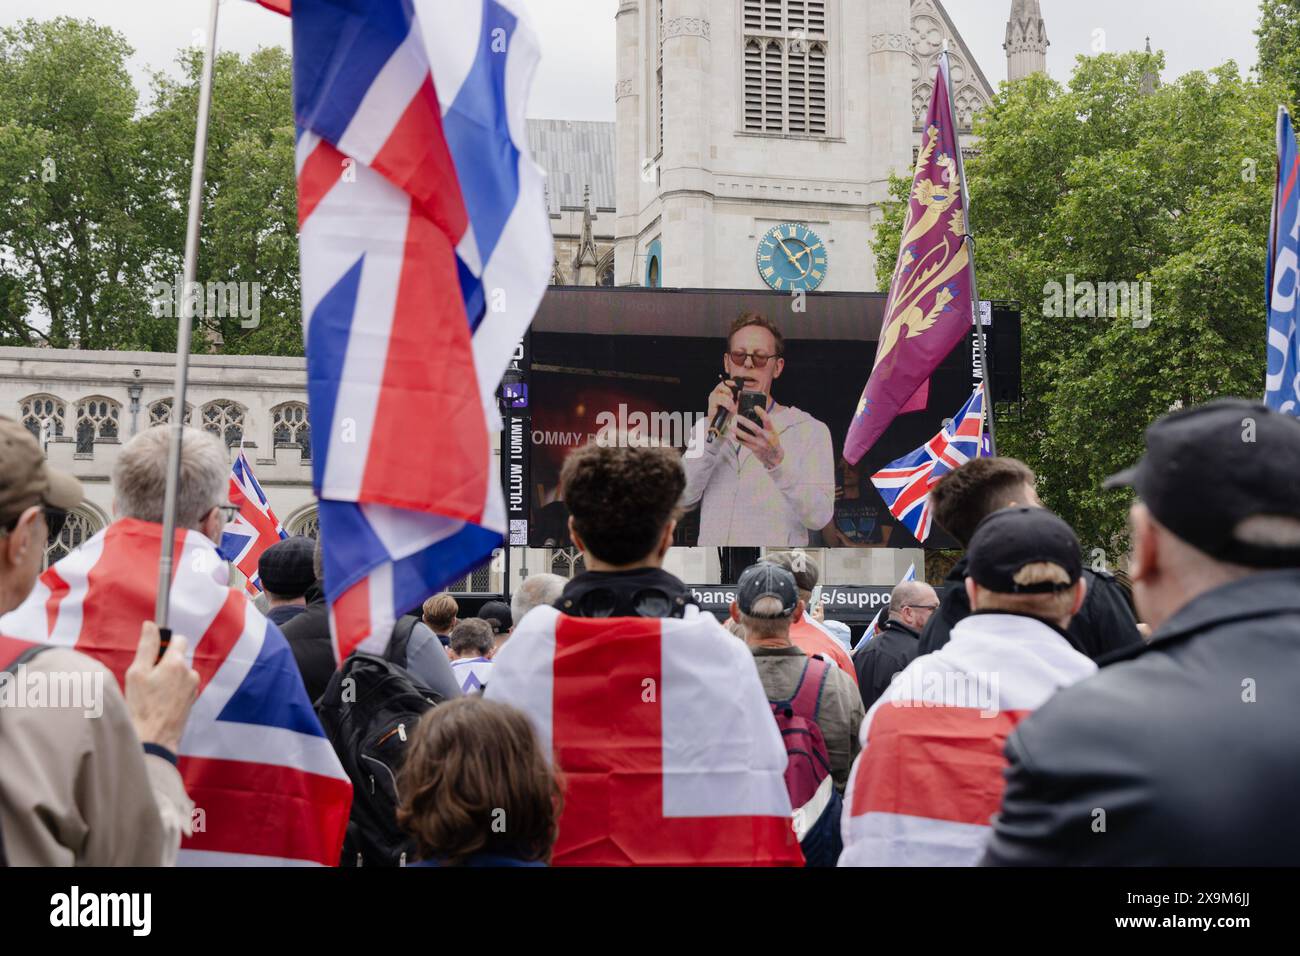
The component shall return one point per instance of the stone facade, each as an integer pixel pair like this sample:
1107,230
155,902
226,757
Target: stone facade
706,163
1026,43
240,396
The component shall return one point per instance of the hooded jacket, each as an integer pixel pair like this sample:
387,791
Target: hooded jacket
745,504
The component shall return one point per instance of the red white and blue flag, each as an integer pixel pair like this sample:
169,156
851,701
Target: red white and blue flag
929,777
905,484
1282,378
664,735
253,758
425,250
254,529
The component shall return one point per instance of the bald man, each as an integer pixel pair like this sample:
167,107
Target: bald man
910,605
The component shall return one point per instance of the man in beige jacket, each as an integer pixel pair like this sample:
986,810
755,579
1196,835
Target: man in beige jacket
76,785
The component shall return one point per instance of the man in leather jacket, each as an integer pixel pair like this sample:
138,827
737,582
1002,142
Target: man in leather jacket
1184,753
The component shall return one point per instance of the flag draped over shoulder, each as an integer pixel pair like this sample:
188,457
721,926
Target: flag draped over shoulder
266,783
254,529
663,733
925,786
905,484
929,308
1282,385
425,250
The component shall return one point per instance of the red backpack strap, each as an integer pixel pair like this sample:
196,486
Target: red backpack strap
808,695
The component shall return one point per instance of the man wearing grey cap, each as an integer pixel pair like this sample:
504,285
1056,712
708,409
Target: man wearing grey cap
1184,752
767,600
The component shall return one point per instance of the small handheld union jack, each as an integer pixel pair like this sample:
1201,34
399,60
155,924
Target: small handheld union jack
254,529
905,484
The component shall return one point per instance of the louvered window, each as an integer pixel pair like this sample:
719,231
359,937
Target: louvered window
785,72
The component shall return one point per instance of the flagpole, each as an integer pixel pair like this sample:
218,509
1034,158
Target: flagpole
185,326
969,240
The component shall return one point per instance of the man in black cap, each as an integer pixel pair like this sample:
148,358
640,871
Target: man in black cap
767,601
497,614
930,774
286,571
965,497
1185,753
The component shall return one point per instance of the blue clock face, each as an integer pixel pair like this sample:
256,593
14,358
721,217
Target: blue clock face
792,257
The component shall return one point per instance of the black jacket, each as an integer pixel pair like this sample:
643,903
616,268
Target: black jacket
884,656
1183,753
308,635
1104,625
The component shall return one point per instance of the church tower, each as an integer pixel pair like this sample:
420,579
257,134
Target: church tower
1027,42
748,124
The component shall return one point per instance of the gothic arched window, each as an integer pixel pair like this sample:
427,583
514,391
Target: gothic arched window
306,524
225,419
160,412
97,417
567,562
42,415
77,530
289,426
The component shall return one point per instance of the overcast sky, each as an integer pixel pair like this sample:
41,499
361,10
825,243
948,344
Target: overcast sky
576,78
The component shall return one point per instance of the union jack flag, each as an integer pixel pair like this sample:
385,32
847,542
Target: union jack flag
905,484
425,250
253,758
254,529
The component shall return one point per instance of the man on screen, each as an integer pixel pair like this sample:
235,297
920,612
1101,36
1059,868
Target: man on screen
758,485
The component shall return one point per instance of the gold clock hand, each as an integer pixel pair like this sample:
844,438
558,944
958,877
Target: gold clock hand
784,248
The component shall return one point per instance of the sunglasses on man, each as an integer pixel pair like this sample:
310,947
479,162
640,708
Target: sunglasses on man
758,359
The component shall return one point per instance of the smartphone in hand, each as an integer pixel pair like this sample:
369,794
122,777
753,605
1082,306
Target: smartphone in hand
750,402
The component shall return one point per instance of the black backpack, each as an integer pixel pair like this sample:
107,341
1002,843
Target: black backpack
369,711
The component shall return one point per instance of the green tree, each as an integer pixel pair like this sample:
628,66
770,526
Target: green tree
71,236
1278,35
250,229
1106,183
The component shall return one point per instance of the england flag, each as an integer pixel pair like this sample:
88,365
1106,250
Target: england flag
254,529
425,249
664,736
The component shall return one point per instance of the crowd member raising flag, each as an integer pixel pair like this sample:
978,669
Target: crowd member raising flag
932,293
1282,387
905,484
254,529
425,250
253,757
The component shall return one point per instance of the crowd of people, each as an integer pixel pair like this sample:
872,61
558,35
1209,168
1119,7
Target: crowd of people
1037,711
